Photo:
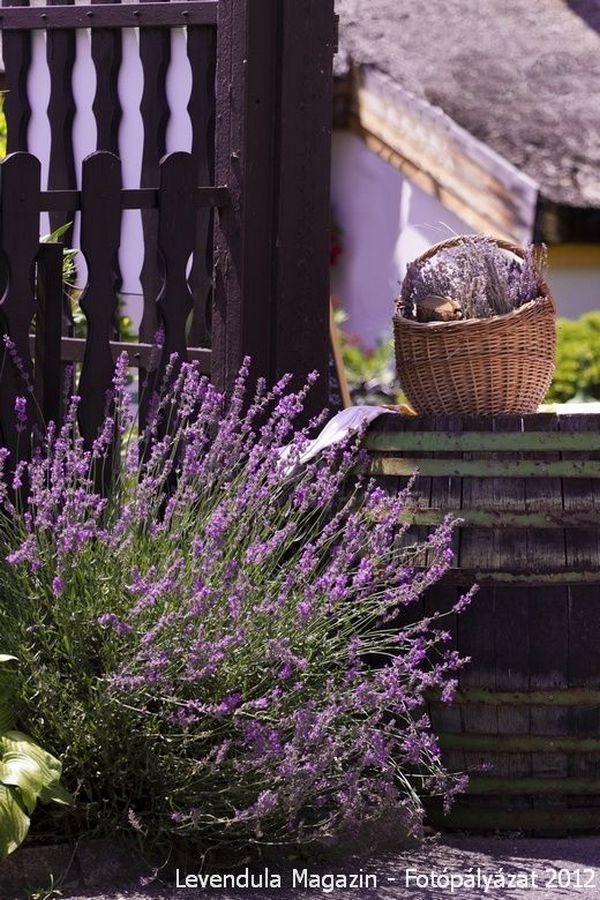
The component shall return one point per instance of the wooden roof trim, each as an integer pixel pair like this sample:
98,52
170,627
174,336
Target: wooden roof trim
467,176
574,256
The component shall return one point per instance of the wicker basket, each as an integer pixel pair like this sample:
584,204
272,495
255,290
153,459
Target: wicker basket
503,364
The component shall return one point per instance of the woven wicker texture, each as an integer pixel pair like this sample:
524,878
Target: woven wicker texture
503,364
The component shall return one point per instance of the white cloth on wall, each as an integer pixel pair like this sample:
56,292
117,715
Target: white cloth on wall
348,421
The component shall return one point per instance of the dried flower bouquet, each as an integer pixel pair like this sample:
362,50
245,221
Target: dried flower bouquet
474,279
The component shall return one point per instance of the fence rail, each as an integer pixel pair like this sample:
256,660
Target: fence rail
109,15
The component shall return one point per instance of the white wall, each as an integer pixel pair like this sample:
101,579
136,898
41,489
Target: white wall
576,290
386,222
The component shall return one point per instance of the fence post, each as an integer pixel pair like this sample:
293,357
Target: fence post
246,163
301,310
274,115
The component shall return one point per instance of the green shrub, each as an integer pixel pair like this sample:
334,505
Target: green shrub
577,373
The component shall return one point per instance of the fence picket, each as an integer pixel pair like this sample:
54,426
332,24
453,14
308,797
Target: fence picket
16,52
60,55
202,54
176,225
48,327
106,55
19,239
155,55
100,238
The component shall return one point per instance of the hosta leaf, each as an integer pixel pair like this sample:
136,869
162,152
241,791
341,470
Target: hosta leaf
26,766
56,793
22,772
14,821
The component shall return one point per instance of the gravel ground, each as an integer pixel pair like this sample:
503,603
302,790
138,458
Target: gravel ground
519,869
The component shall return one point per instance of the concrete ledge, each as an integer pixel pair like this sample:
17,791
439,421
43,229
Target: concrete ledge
88,864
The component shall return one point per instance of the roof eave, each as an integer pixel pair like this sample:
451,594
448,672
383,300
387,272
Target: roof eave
474,181
559,223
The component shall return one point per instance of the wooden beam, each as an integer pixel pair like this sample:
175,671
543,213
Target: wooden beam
303,133
246,161
109,15
132,198
522,786
143,355
485,468
518,743
442,158
574,256
274,111
499,518
537,697
481,441
540,578
547,820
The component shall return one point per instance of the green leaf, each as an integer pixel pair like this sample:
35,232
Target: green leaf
14,821
56,234
22,772
23,764
56,793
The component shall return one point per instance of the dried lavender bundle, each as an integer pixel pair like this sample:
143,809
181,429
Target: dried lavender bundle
485,280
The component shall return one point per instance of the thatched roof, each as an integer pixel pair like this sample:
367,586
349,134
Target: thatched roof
521,75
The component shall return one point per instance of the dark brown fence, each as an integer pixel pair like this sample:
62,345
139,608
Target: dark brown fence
248,205
101,201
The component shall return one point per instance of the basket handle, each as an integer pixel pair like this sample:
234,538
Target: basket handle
459,239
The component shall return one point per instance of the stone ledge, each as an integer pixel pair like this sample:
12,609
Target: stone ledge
87,864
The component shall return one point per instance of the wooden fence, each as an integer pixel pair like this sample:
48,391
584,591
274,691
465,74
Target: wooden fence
234,220
526,719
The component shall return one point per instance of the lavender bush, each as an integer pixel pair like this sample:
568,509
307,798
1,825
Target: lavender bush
485,280
203,642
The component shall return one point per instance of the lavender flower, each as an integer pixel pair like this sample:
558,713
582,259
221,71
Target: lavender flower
20,414
209,627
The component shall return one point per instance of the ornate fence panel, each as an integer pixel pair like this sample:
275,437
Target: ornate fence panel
101,202
225,241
